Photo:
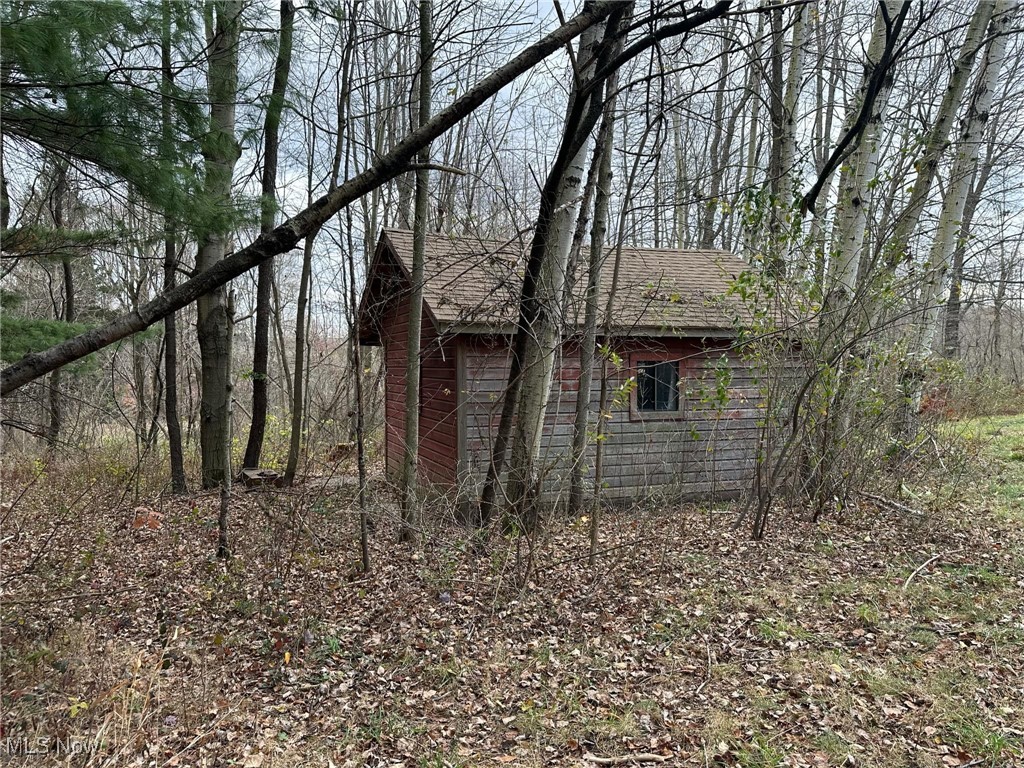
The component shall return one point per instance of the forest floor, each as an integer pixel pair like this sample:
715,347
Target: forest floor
883,638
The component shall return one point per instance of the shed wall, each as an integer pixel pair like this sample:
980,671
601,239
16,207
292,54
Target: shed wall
707,449
438,397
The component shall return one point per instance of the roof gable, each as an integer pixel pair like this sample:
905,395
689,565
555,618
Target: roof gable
473,285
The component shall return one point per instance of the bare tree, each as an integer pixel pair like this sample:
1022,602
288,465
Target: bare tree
421,214
268,207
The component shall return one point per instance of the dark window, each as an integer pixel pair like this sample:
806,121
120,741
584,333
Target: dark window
657,386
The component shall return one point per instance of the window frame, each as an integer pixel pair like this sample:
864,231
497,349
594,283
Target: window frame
656,356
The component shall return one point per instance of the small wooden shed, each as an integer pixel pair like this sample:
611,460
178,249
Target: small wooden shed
686,414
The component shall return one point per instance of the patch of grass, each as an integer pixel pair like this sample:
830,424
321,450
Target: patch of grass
825,547
968,730
925,638
444,673
833,745
676,625
614,725
868,614
442,758
779,630
975,575
842,589
767,701
759,753
883,682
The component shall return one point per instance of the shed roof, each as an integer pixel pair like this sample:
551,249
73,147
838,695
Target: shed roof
473,285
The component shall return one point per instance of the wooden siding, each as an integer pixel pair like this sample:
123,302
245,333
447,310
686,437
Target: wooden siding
706,449
438,397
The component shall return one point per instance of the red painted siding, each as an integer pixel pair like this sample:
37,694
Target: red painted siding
438,396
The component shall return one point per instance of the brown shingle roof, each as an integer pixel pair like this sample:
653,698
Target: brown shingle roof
474,285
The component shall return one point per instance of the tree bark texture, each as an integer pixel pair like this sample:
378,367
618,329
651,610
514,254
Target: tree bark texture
545,329
588,340
965,165
265,273
214,324
421,215
175,447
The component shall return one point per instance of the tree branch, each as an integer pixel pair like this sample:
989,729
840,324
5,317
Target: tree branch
287,235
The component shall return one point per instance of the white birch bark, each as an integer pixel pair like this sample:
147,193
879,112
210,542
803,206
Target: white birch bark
544,346
911,379
955,201
938,136
794,79
855,188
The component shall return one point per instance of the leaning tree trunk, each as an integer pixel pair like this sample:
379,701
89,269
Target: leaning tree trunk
542,343
386,166
221,151
410,465
937,138
955,202
964,167
911,378
581,119
265,274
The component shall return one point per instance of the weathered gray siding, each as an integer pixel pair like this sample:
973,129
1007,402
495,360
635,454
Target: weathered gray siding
706,450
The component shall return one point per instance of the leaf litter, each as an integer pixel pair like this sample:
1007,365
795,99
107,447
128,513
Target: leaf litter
687,645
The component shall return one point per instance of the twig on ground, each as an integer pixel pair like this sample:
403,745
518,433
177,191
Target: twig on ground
640,757
891,504
920,568
707,670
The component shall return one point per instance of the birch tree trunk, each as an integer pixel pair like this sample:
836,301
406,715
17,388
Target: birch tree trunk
855,191
581,119
938,136
268,207
214,326
912,377
951,323
542,346
410,466
588,341
964,167
794,80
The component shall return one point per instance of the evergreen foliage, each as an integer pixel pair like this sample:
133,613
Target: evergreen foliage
23,335
81,79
